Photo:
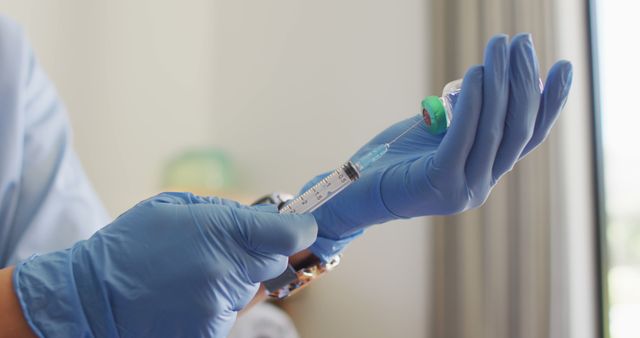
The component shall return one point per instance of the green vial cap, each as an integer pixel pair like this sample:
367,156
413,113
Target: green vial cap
434,115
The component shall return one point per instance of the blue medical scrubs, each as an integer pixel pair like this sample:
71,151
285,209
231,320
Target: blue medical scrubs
46,201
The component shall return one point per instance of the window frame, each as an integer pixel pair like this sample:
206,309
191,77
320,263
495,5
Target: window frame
601,246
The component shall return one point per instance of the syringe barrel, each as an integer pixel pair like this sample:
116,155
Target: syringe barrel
322,191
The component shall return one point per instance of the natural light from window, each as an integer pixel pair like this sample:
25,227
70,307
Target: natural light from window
619,53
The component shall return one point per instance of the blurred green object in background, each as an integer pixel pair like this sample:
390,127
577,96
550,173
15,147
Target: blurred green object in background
203,171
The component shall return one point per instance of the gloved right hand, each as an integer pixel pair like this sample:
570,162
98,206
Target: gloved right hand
176,265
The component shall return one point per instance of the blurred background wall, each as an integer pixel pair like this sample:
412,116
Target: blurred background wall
136,77
145,80
522,265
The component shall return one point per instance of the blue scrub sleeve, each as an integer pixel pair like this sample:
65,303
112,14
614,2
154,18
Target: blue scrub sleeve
46,201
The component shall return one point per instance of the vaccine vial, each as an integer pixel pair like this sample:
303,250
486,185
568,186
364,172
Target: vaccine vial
438,111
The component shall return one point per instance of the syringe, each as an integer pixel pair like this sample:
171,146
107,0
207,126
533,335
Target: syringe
338,180
436,114
334,183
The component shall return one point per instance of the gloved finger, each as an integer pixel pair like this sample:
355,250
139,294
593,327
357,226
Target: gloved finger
452,153
494,109
222,324
246,296
271,233
175,197
262,267
272,208
556,90
524,100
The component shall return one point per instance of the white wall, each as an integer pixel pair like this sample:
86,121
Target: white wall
314,76
136,78
264,81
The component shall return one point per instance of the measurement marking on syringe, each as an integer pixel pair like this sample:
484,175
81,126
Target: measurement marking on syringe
331,185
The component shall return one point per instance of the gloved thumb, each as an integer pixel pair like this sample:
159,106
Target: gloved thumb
273,233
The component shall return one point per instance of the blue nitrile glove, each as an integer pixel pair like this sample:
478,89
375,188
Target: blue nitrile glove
176,265
500,117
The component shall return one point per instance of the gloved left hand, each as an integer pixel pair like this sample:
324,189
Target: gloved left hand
500,117
176,265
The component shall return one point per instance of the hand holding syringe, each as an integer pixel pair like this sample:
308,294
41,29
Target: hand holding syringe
335,182
499,116
414,169
436,112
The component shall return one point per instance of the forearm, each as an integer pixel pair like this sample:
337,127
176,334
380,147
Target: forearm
12,321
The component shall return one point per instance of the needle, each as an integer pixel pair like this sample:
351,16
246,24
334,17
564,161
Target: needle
404,132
